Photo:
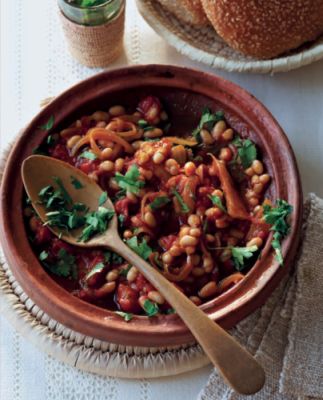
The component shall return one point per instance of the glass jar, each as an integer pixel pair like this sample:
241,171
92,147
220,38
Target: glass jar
83,13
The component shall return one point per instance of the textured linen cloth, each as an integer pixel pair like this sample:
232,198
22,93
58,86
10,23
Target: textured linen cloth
286,335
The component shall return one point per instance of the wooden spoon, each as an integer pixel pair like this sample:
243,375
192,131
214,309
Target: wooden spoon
239,369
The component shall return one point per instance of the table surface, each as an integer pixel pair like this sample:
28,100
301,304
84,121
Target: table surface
35,64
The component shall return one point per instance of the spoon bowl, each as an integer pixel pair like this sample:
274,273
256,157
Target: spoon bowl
238,368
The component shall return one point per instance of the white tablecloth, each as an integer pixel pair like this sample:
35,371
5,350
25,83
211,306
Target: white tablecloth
34,65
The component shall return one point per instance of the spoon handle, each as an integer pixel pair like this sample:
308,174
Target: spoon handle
239,369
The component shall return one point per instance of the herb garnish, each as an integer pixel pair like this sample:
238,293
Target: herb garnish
159,202
64,266
103,198
112,258
150,308
184,206
96,222
89,155
121,219
96,269
246,150
63,214
130,181
76,183
49,124
216,200
241,253
207,120
277,217
126,316
142,249
124,271
87,3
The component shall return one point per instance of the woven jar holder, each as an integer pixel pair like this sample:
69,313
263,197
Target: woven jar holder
95,46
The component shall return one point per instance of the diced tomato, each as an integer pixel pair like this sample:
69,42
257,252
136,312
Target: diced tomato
150,109
166,242
43,235
122,208
60,151
58,245
127,299
87,166
142,285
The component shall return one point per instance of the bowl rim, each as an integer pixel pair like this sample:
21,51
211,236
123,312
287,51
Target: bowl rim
103,324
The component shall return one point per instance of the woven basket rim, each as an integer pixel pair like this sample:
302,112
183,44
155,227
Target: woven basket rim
280,64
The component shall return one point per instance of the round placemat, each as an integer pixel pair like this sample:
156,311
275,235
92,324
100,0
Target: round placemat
204,45
84,352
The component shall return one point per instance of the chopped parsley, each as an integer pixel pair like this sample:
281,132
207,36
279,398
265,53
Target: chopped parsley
99,267
239,254
150,308
96,222
247,151
88,3
103,198
121,219
124,271
216,200
130,181
49,124
207,120
65,215
170,311
277,217
64,265
88,155
51,140
112,258
159,202
76,183
126,316
184,207
142,249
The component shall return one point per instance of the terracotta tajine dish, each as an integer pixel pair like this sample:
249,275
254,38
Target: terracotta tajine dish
185,92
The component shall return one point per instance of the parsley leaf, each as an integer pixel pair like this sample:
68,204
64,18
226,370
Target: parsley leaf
246,150
63,191
89,155
76,183
126,316
277,218
64,265
142,249
124,271
150,308
121,219
112,258
130,181
103,198
43,255
159,202
216,200
241,253
49,124
208,119
184,206
96,222
96,269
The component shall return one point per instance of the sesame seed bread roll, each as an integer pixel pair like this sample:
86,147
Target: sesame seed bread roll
188,11
265,28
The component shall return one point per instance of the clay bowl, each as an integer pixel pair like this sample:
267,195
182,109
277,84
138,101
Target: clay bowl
185,92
